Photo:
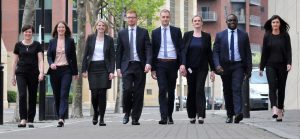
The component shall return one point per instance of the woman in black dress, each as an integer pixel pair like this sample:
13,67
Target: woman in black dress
277,58
98,65
28,70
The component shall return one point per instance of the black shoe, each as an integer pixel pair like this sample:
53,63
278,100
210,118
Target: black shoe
125,119
238,118
135,122
192,120
170,120
30,125
21,125
60,124
278,120
229,119
200,120
163,122
274,116
101,123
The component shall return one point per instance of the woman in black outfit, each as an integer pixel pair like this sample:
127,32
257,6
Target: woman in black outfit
62,66
98,65
196,56
28,70
277,58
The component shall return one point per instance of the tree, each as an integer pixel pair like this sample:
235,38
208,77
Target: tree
27,19
77,99
114,12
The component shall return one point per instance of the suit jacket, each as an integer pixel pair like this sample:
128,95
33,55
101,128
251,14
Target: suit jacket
221,51
206,53
70,51
108,51
143,48
176,37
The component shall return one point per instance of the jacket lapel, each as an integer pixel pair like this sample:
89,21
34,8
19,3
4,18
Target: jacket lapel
93,43
105,45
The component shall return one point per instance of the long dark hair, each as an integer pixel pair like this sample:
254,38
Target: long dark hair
284,26
67,33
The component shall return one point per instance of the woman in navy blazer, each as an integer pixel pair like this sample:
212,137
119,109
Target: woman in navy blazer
196,56
62,66
98,65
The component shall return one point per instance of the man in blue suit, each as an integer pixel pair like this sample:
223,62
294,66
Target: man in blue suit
232,59
166,41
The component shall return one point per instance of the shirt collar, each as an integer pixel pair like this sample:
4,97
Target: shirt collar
229,30
167,27
134,28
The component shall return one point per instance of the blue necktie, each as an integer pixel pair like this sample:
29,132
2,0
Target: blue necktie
131,44
232,46
165,43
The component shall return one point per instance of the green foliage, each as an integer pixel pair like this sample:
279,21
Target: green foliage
146,10
256,59
11,96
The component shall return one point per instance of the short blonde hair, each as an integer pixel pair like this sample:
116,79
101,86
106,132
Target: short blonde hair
132,12
102,21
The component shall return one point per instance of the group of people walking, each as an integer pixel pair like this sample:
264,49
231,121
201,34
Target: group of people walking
164,55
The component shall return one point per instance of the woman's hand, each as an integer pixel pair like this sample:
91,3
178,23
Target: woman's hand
53,66
288,67
212,76
13,80
111,76
75,77
182,70
41,77
84,74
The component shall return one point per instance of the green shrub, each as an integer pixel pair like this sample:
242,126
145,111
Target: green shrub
11,96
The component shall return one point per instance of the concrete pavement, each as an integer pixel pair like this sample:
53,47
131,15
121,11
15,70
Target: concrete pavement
258,126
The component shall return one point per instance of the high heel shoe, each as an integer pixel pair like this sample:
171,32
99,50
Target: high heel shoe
60,124
22,123
280,115
274,116
200,120
275,112
30,125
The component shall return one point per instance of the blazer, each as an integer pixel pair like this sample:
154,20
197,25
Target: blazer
176,37
70,51
108,51
143,48
285,49
206,53
221,50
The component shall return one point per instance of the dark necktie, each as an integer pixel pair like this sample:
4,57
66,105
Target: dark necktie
165,43
232,46
131,44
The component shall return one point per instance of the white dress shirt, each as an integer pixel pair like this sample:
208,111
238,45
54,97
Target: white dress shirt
171,51
237,56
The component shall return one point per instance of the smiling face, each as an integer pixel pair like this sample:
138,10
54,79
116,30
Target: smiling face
275,24
101,27
165,18
197,22
61,29
232,22
27,34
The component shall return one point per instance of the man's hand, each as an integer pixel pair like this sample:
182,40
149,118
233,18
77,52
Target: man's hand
153,75
111,76
84,74
219,70
147,68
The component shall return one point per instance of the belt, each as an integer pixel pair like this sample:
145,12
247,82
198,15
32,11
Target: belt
166,60
134,62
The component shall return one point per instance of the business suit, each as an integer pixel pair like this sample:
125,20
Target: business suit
134,77
198,64
98,72
166,70
234,71
61,78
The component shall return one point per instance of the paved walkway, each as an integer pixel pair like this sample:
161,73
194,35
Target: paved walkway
258,126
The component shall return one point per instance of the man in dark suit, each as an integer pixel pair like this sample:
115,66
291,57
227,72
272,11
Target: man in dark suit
166,54
232,59
134,56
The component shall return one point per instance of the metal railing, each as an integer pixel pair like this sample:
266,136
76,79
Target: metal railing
255,47
209,16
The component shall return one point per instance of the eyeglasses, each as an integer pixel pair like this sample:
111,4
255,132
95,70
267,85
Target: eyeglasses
133,17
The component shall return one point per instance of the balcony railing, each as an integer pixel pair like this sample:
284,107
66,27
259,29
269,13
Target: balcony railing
255,2
255,20
209,16
255,47
238,0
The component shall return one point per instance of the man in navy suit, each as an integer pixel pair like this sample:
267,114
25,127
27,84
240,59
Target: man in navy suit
133,59
166,41
232,59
